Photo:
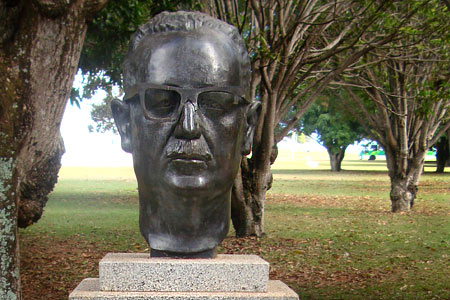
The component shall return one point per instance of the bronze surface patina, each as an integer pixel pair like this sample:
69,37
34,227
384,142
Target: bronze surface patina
187,120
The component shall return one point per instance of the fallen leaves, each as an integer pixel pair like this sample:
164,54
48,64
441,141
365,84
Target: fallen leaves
51,268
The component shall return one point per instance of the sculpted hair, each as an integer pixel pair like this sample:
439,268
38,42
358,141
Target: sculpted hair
179,22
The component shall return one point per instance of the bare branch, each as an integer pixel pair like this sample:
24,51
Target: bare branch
443,129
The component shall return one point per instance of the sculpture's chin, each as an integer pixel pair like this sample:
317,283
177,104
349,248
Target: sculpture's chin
184,224
182,183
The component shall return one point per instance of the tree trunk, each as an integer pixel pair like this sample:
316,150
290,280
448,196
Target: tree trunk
404,179
447,164
10,132
40,44
442,154
402,194
248,197
9,250
336,158
255,179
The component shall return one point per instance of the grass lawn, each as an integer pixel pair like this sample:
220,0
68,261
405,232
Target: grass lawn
328,235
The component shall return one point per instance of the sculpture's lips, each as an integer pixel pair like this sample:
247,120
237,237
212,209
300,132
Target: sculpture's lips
188,165
189,156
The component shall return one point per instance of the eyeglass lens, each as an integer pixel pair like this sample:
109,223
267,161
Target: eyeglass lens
161,103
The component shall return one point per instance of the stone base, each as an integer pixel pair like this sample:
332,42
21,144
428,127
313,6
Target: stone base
89,289
136,276
137,272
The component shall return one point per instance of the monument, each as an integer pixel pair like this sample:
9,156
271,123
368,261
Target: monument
187,119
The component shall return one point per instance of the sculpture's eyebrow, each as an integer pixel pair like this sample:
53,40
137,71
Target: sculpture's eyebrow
196,86
172,84
205,85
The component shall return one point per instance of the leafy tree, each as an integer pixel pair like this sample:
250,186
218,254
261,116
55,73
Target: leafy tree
101,113
293,45
407,83
335,128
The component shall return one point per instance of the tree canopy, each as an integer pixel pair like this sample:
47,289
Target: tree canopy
107,38
298,48
334,126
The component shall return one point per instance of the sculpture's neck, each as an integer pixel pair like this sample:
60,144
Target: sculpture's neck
183,224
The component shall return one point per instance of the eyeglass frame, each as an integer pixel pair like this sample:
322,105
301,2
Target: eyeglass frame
186,94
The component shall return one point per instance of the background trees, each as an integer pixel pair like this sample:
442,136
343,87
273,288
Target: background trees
336,129
407,83
292,45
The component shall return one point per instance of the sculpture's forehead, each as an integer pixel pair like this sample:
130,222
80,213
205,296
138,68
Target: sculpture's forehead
189,59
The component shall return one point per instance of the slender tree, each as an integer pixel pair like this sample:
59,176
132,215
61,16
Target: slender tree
292,45
407,83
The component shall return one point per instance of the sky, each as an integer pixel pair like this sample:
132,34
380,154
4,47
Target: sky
84,148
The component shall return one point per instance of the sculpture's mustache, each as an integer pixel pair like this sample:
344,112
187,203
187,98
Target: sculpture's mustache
188,149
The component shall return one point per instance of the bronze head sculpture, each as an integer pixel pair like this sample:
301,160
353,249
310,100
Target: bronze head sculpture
187,120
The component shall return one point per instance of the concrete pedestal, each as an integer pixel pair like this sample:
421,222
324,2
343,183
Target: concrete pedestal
134,276
226,273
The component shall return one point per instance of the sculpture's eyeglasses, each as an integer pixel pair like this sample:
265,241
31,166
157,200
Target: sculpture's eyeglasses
165,103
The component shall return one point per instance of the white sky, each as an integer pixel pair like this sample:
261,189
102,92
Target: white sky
89,149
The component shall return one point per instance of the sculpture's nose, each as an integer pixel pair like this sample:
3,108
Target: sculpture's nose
188,127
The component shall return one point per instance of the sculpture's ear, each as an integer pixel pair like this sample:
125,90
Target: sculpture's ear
252,115
121,113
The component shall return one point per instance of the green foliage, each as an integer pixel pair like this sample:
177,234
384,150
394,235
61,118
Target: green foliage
107,38
106,43
101,113
407,80
328,118
108,35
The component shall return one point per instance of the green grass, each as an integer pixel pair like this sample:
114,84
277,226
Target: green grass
328,235
97,210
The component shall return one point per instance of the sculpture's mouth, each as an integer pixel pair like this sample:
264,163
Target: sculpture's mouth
188,165
189,157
